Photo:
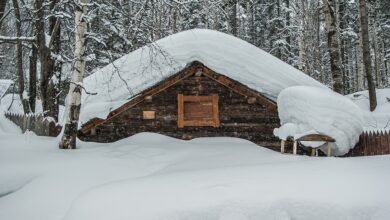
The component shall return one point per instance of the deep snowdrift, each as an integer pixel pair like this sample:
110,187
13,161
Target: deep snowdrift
378,119
149,176
228,55
307,110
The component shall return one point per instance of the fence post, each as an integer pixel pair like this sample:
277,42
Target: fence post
24,128
388,142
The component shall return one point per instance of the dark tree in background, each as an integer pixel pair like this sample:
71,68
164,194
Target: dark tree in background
366,53
333,45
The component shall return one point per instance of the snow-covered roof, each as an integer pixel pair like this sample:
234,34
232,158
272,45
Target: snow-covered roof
118,82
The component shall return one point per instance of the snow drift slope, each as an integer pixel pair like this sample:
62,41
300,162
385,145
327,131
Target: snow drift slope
308,110
379,119
149,176
225,54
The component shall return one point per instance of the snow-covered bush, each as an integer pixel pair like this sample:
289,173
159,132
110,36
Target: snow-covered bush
310,110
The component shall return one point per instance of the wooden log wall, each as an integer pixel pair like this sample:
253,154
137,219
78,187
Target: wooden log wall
240,116
36,123
372,143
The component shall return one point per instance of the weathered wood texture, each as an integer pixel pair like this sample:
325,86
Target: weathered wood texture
36,123
372,143
198,111
241,115
316,137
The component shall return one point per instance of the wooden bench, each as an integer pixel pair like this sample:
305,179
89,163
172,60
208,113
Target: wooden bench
310,137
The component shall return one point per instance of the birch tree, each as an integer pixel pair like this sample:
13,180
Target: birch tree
73,103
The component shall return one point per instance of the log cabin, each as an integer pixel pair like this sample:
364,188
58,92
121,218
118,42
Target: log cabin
198,83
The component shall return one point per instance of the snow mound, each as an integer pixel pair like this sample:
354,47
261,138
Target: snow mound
154,177
309,110
123,79
379,119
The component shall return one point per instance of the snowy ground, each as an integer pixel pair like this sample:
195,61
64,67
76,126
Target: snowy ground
149,176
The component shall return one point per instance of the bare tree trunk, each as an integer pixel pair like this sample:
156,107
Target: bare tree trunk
43,53
19,57
174,22
372,34
352,66
3,5
33,78
385,62
233,17
279,27
366,54
304,65
320,66
382,62
359,61
341,12
288,36
53,66
73,104
333,45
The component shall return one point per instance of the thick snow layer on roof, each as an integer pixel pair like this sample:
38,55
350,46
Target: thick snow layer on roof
225,54
310,110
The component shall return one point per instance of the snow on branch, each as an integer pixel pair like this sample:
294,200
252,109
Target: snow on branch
7,39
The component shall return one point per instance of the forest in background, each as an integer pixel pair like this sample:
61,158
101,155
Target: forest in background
322,38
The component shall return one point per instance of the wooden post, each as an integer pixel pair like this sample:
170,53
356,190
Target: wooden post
24,127
282,147
180,110
216,111
313,152
295,147
329,148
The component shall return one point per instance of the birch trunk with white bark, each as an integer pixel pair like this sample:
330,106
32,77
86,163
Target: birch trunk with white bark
73,104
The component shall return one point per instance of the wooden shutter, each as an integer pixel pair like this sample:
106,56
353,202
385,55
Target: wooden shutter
198,111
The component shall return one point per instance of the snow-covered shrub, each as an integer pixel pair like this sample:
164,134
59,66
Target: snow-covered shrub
311,110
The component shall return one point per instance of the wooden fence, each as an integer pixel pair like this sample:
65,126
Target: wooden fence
36,123
372,143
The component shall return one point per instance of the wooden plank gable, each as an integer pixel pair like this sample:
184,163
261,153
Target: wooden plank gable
196,68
